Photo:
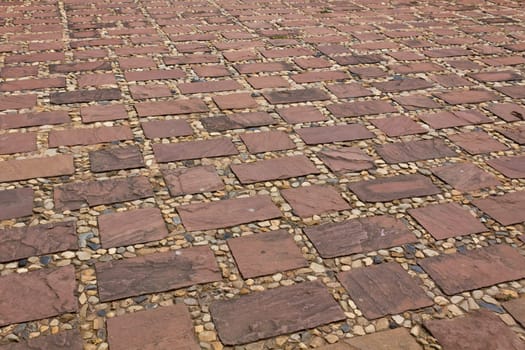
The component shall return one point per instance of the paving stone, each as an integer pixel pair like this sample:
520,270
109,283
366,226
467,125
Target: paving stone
267,67
181,106
172,152
516,308
131,227
398,126
349,90
496,76
358,236
477,142
89,136
116,159
274,169
514,132
65,340
16,203
52,291
447,220
394,187
237,121
465,176
227,213
274,312
22,120
305,201
349,159
235,101
73,196
267,141
337,133
102,113
514,91
156,273
267,82
33,84
24,242
450,80
294,96
467,96
476,331
416,102
511,167
266,253
140,92
384,289
182,181
80,96
361,108
441,120
301,114
411,151
407,84
208,86
314,76
164,328
18,143
96,80
79,67
154,74
17,102
475,269
509,112
394,339
507,209
23,169
166,128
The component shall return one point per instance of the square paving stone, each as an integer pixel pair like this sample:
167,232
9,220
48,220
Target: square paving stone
267,141
274,312
116,159
337,133
511,167
301,114
67,340
182,181
507,209
398,126
157,272
477,142
447,220
266,253
474,269
411,151
358,236
313,200
394,339
343,159
478,330
16,203
164,328
235,101
384,289
465,176
516,308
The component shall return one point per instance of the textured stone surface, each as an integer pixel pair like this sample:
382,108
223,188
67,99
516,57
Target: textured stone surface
16,203
411,151
166,128
293,96
360,108
267,141
507,209
80,96
316,199
116,159
338,133
181,106
89,136
192,180
477,142
465,176
516,308
511,167
398,126
346,159
23,169
65,340
17,143
237,121
173,152
301,114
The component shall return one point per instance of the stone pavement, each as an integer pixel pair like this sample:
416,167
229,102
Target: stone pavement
274,174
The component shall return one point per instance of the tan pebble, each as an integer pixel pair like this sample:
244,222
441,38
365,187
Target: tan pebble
207,336
509,321
280,341
441,300
217,346
358,330
331,338
382,324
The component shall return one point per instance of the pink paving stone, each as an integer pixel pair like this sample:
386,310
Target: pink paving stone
398,126
267,141
33,84
154,74
477,142
314,200
211,71
419,67
237,121
141,92
416,102
22,120
51,289
516,308
441,120
111,159
96,80
349,90
136,62
191,59
227,213
450,80
267,82
411,151
16,203
266,253
344,159
504,61
166,128
402,85
514,132
180,106
18,72
509,112
295,96
199,179
515,91
18,143
235,101
80,67
154,273
313,76
268,67
507,209
301,114
447,220
17,102
65,340
209,86
89,136
172,152
384,289
496,76
467,96
337,133
313,62
361,108
465,176
30,168
475,269
140,330
511,167
100,113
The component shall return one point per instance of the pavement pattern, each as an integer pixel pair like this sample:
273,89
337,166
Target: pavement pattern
278,174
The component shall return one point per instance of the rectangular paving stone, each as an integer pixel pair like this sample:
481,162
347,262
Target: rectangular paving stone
237,121
163,328
16,203
266,67
51,291
336,133
300,114
100,113
240,100
24,169
18,143
514,132
477,142
154,74
509,112
73,196
80,67
359,236
516,308
166,128
406,84
181,106
155,273
313,200
89,136
384,289
267,141
131,227
412,151
513,91
182,181
511,167
496,76
398,126
274,312
110,159
80,96
346,159
507,209
24,242
227,213
17,102
33,84
465,176
361,108
416,102
475,269
266,253
445,119
295,96
22,120
274,169
208,86
173,152
393,339
394,187
65,340
467,96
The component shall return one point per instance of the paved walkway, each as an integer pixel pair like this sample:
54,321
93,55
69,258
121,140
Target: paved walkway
277,174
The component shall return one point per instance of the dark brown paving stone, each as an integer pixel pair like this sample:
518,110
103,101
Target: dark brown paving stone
477,142
301,114
166,128
516,308
182,181
294,96
515,91
24,242
478,330
16,203
116,159
51,291
156,273
394,339
131,227
80,67
496,76
100,113
274,312
164,328
73,196
18,143
447,220
66,340
511,167
237,121
509,112
358,236
274,169
346,159
227,213
474,269
398,126
412,151
465,176
89,136
394,187
336,133
441,120
416,102
361,108
180,106
80,96
507,209
384,289
514,132
267,141
22,120
467,96
403,85
172,152
266,253
315,199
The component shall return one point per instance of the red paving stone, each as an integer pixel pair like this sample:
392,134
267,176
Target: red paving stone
507,209
477,142
343,159
312,200
192,180
411,151
465,176
16,203
116,159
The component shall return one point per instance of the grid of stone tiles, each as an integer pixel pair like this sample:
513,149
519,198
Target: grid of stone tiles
261,175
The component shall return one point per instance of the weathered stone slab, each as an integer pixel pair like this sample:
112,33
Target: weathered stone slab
312,200
411,151
507,209
267,141
89,136
361,108
174,152
477,142
23,169
199,179
116,159
80,96
465,176
511,167
237,121
16,203
516,308
337,133
166,128
181,106
294,96
67,340
349,159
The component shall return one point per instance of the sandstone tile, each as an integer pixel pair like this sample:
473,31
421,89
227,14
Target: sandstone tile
237,121
110,159
235,101
267,82
358,59
513,91
267,141
22,120
85,80
154,74
507,209
509,112
511,167
80,96
496,76
79,67
361,108
166,128
465,176
394,339
417,67
516,308
141,92
17,102
181,106
66,340
211,71
102,113
23,169
411,151
315,76
182,181
398,126
33,84
208,86
313,200
17,143
337,133
89,136
441,120
349,90
16,203
450,80
467,96
173,152
295,96
406,84
477,142
514,132
416,102
301,114
346,159
267,67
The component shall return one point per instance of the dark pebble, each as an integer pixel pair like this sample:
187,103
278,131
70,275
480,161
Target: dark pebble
22,263
491,307
44,260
